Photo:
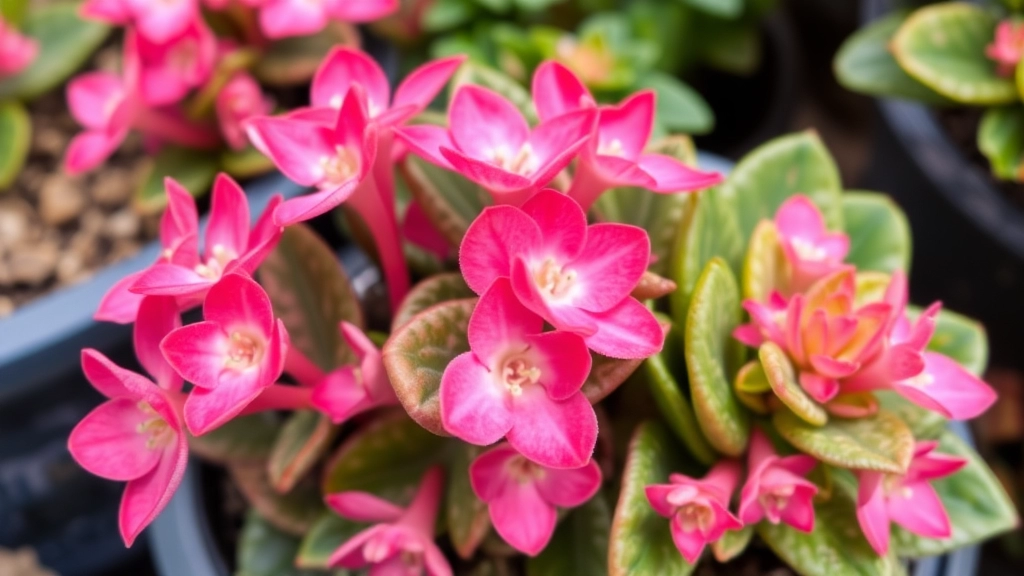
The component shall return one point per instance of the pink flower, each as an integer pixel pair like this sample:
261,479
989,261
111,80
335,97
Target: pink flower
811,250
418,229
523,497
907,500
159,21
403,540
230,245
136,435
1007,47
521,384
16,51
240,100
236,352
283,18
351,390
489,142
170,69
776,488
615,154
699,509
576,277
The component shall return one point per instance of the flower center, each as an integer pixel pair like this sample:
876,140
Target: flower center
157,429
922,380
613,148
696,516
808,251
775,501
243,351
517,373
524,471
183,57
214,266
553,280
340,167
523,162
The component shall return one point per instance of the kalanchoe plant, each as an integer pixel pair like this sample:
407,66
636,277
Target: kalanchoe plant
499,396
906,54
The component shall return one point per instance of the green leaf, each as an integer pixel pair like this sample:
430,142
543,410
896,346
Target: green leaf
680,107
536,5
240,440
266,551
713,357
865,64
66,42
14,11
881,442
449,200
879,233
328,533
924,424
514,92
733,46
246,163
434,290
388,458
418,353
305,437
193,169
579,545
293,61
444,15
673,403
15,137
732,543
467,516
765,267
765,178
312,296
641,542
977,505
660,214
720,8
962,339
294,512
943,47
836,546
782,378
1001,140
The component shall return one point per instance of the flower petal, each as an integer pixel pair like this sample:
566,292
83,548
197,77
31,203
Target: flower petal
350,553
690,544
628,330
947,388
91,96
170,280
473,405
198,352
423,84
917,508
557,91
302,208
497,236
488,474
238,301
109,444
572,487
496,180
144,498
611,263
627,127
427,141
296,146
119,304
113,381
284,18
500,324
363,507
158,316
340,396
557,141
88,150
229,218
362,11
562,357
482,122
208,409
344,67
561,221
871,511
522,517
558,434
671,175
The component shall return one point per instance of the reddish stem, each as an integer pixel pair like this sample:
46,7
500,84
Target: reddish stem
175,129
281,397
304,370
726,474
372,207
422,512
587,185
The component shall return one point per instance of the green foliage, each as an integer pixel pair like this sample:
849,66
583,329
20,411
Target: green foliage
328,533
579,545
303,440
467,515
781,377
962,339
434,290
881,442
878,230
195,170
293,61
450,201
247,439
266,551
1001,140
15,137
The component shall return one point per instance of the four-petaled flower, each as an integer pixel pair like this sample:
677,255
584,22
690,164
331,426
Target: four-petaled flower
284,18
136,435
16,51
403,540
240,100
576,277
236,353
776,488
169,70
521,384
351,390
908,500
523,497
699,509
158,21
811,250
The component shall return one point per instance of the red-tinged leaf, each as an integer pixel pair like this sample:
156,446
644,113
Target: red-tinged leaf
305,437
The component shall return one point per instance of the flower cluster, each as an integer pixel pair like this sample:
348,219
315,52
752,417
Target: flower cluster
16,50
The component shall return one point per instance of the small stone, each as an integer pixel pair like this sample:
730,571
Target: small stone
122,249
92,221
122,225
60,200
22,562
33,264
84,244
15,222
112,187
6,306
49,140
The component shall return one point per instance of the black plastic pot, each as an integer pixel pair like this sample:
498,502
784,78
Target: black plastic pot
968,237
46,500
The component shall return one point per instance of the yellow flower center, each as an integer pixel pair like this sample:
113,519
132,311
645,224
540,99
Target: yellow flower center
523,162
518,372
157,429
553,280
341,167
244,351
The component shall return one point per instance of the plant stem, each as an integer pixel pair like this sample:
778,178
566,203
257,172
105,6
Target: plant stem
281,397
587,185
175,129
372,207
304,370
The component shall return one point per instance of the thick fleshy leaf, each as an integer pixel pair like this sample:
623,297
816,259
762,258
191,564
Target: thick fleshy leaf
836,546
607,374
312,296
328,533
434,290
292,61
480,75
765,178
962,339
448,199
765,265
732,543
15,136
418,353
943,47
879,233
193,169
659,214
713,357
680,107
468,521
865,64
303,439
782,378
641,541
247,439
975,500
579,545
387,458
263,550
881,442
246,163
923,423
66,42
1001,140
294,512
